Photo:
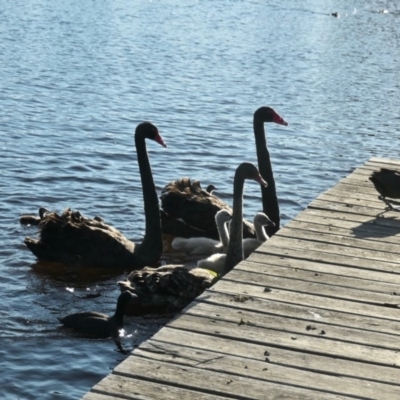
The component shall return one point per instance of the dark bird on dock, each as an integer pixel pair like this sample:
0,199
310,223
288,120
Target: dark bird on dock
189,211
172,287
97,324
75,240
387,183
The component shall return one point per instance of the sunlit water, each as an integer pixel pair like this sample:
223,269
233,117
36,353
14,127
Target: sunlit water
76,79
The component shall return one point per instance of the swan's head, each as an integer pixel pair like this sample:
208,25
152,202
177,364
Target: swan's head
262,219
149,131
268,114
222,217
249,171
210,188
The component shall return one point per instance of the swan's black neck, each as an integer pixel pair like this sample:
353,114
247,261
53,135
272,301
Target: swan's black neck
149,251
269,197
235,249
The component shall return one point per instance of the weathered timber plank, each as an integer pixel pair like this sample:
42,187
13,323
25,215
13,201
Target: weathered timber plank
318,344
360,233
368,231
381,160
98,396
285,323
276,356
351,209
388,226
334,237
221,383
317,266
351,188
356,201
336,280
214,362
367,196
121,387
333,248
323,257
365,172
304,313
305,299
322,289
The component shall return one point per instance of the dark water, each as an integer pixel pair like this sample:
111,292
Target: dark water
76,79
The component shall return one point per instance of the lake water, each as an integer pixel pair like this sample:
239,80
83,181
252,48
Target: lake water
78,76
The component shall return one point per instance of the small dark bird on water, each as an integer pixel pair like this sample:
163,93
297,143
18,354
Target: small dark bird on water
97,324
387,183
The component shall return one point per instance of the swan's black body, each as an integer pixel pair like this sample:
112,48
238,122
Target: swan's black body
97,324
387,184
75,240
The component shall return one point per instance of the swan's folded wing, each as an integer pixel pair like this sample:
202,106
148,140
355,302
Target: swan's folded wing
71,238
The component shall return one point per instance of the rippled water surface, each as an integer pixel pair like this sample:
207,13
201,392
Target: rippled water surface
78,76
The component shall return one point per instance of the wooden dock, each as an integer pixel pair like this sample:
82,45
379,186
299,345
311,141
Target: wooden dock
313,314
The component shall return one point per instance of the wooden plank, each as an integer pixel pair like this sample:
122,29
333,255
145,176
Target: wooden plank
372,280
343,242
364,256
310,314
357,201
276,356
319,343
352,209
329,290
221,383
306,299
383,224
245,367
98,396
291,324
326,278
325,222
379,161
142,388
322,257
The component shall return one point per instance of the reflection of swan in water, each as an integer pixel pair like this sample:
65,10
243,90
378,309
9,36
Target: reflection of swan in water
203,245
97,324
387,184
172,287
75,240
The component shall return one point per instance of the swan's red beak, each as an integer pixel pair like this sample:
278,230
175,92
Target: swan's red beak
279,120
160,140
261,181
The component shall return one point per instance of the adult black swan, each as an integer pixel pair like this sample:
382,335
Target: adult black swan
189,211
387,184
171,287
98,324
75,240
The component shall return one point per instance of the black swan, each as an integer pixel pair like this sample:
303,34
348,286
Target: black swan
189,211
171,287
97,324
387,184
203,245
75,240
